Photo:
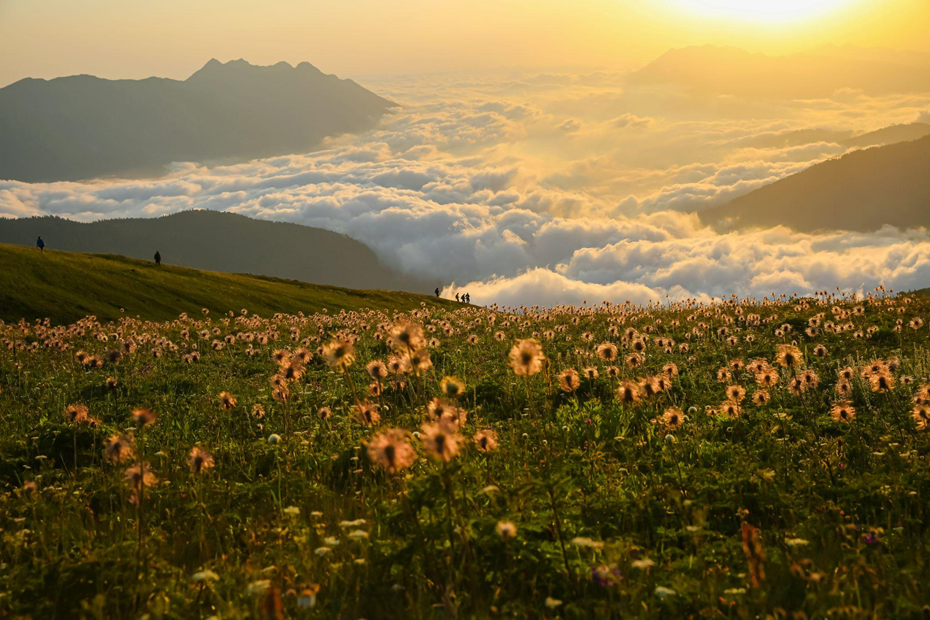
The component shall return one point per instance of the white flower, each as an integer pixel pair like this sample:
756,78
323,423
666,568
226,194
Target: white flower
581,541
355,523
205,575
644,563
358,534
259,587
292,511
662,592
552,603
323,551
795,542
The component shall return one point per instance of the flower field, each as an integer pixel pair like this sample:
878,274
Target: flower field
740,459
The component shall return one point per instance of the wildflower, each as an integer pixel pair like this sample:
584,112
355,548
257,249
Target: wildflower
367,413
339,354
143,416
789,356
407,336
843,412
921,416
200,460
628,392
673,418
452,387
391,451
506,529
140,475
119,448
398,365
736,393
76,413
111,383
606,351
882,381
731,409
761,397
583,541
526,357
440,442
844,388
569,381
227,400
420,360
486,441
590,373
377,370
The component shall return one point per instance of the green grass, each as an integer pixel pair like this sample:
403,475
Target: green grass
65,286
778,510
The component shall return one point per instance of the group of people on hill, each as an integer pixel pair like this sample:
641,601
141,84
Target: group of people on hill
464,299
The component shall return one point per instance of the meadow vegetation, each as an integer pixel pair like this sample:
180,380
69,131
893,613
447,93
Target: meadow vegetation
67,286
738,459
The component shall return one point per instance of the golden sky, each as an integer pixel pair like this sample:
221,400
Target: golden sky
172,38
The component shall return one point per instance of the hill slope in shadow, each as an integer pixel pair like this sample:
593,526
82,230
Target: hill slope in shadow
863,190
65,287
220,241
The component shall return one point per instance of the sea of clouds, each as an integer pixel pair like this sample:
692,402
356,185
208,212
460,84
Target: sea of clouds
549,188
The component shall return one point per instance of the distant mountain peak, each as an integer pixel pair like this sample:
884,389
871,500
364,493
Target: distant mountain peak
228,109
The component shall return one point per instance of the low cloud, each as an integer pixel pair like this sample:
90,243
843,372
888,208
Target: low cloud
547,189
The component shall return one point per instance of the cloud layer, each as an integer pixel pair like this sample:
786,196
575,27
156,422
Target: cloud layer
545,189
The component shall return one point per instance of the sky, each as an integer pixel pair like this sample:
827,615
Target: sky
360,38
526,165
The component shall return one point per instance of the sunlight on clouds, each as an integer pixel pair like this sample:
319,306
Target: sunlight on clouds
518,190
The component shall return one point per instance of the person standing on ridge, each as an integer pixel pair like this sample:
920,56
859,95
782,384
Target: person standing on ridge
437,291
41,245
157,258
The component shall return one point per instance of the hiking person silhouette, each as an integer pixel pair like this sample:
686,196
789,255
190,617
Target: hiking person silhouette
467,298
41,245
157,258
456,297
437,291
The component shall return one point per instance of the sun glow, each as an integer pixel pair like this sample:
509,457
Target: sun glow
763,10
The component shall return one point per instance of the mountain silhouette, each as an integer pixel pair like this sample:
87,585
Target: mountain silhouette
862,190
220,241
81,127
818,73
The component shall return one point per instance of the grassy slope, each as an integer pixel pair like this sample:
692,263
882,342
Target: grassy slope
66,286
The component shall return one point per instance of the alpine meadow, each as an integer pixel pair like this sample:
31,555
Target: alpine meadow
465,310
687,460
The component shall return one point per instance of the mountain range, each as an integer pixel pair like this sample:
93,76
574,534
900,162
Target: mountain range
221,241
862,190
79,127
